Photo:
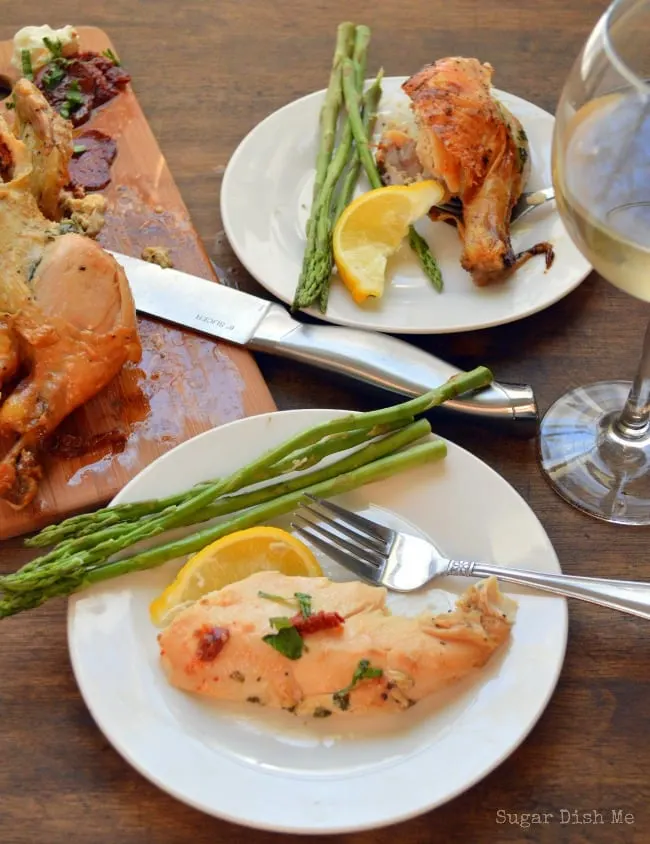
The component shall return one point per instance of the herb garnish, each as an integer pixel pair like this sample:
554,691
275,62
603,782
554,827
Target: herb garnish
109,54
77,149
277,598
26,64
304,602
287,640
55,47
56,66
301,598
52,76
73,99
363,671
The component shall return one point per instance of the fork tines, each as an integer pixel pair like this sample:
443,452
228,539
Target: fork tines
358,544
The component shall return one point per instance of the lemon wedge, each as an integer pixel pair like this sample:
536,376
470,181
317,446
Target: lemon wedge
231,558
372,228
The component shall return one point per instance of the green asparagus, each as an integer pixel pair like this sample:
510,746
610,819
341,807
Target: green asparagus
370,104
329,112
314,280
90,523
385,431
361,138
72,575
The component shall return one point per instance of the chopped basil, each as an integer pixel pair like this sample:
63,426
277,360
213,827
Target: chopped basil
10,104
363,671
277,598
281,622
26,63
287,640
55,47
73,100
109,54
53,75
304,602
77,149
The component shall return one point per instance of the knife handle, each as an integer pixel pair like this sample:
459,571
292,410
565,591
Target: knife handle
391,364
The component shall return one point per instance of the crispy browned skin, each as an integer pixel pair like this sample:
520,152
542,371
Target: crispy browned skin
67,318
480,151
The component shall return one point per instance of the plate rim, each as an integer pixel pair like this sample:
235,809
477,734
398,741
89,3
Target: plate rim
121,746
237,248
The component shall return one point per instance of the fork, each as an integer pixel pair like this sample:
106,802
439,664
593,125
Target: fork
404,562
527,201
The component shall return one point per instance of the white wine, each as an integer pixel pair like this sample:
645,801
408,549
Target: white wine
602,181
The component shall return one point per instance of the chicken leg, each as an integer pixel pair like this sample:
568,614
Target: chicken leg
67,318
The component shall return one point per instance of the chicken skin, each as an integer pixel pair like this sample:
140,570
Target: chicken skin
217,645
477,148
67,318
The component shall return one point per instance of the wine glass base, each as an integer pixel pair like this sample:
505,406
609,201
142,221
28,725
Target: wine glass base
588,463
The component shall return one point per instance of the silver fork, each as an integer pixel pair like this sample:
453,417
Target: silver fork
525,204
403,562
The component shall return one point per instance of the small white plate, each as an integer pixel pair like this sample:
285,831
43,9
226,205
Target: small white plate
274,771
265,202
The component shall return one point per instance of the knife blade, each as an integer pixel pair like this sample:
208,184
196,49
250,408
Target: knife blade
260,325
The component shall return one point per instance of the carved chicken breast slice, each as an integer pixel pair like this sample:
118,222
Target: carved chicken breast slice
217,646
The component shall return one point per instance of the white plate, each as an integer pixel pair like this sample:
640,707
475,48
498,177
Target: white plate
274,771
265,202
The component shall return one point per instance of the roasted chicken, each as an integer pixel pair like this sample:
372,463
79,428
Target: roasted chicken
466,138
67,318
219,645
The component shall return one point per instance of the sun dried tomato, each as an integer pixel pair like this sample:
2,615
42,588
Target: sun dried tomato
211,642
318,621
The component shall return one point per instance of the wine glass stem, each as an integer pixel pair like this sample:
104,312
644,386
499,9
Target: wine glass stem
634,421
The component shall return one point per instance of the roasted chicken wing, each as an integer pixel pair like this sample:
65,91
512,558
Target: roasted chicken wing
477,148
67,318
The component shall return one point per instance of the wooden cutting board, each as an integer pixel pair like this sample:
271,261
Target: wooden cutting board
185,383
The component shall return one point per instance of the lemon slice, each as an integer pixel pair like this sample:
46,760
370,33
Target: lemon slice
234,557
372,228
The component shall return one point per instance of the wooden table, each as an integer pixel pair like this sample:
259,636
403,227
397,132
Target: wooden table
205,74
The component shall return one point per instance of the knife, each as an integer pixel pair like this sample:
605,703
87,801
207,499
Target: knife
377,359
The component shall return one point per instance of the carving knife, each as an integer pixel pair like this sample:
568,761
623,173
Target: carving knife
260,325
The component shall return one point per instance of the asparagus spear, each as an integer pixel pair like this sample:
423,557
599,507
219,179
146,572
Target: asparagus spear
88,524
331,106
24,579
253,472
314,280
429,264
31,585
72,575
344,149
189,509
370,106
361,138
297,461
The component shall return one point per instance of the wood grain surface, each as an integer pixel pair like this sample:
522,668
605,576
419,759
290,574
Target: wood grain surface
205,74
184,384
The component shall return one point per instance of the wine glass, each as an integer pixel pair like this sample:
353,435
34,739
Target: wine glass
594,441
